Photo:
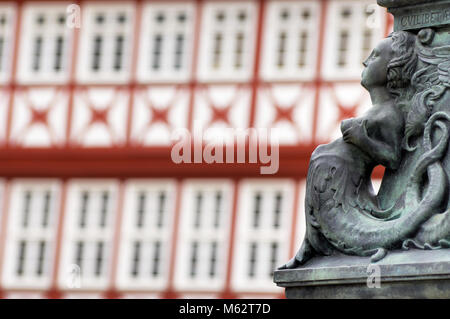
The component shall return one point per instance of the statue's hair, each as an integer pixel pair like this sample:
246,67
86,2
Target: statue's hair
402,67
427,90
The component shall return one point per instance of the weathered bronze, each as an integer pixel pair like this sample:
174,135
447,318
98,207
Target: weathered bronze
406,131
418,14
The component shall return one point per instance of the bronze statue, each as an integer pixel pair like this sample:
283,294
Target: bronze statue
406,130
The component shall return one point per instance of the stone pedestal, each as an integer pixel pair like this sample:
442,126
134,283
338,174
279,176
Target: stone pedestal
401,274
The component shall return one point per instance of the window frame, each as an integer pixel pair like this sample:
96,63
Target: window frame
130,233
17,232
90,30
188,234
166,74
49,34
273,26
8,41
228,31
89,234
263,235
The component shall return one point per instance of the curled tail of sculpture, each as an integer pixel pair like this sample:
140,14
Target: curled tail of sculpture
353,232
430,156
363,236
435,232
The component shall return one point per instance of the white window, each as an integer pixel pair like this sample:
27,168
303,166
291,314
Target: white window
263,233
7,22
146,234
166,42
353,30
33,218
45,45
106,43
88,232
203,236
290,41
227,41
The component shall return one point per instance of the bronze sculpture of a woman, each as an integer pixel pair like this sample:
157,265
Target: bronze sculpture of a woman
342,212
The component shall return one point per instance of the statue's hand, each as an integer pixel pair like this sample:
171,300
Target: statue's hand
355,132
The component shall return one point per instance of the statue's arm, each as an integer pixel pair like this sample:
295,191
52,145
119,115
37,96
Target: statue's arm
387,154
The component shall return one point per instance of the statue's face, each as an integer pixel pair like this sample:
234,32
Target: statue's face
375,73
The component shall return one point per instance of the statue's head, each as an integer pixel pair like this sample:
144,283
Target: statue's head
392,63
403,65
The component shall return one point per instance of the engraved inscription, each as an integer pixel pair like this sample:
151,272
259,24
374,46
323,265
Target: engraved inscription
424,19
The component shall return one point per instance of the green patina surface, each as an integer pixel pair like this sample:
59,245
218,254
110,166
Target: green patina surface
417,14
405,3
411,274
407,131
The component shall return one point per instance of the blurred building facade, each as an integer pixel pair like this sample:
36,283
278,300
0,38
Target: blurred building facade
92,204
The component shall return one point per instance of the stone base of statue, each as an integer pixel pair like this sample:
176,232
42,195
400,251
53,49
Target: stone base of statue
401,274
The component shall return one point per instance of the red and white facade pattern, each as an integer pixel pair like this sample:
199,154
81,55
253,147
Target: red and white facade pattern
36,117
92,205
157,112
